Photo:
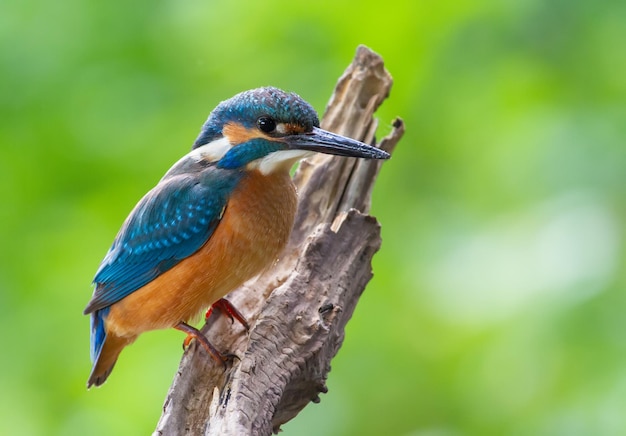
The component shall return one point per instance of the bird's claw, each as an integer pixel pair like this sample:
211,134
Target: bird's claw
227,308
194,333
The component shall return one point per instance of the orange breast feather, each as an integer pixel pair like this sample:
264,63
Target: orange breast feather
254,229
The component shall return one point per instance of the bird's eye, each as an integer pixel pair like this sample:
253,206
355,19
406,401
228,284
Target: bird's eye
266,124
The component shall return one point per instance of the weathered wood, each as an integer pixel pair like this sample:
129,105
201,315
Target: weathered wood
297,309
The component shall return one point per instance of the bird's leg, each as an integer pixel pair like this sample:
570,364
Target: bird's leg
227,308
193,332
224,306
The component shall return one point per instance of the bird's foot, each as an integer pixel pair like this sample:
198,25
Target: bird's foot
193,332
227,308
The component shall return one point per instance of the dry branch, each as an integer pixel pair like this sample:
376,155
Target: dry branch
299,308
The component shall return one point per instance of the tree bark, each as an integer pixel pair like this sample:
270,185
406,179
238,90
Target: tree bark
298,309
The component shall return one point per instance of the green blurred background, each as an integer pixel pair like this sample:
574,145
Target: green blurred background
498,301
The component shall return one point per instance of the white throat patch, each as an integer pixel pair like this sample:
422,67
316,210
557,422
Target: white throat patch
214,150
283,159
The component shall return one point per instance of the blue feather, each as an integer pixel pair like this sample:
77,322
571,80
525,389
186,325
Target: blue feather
245,153
247,106
170,223
98,333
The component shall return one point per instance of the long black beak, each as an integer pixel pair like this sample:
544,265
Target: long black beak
330,143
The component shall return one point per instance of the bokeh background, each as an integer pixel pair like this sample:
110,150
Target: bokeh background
498,301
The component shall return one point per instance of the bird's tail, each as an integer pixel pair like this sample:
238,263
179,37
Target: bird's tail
105,348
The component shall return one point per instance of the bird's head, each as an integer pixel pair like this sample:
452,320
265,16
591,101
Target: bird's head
269,129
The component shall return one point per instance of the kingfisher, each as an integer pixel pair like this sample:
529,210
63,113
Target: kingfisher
218,217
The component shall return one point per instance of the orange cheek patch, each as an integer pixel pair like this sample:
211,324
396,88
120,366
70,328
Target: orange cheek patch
293,129
238,134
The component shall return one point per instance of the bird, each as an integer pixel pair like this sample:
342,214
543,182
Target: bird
218,217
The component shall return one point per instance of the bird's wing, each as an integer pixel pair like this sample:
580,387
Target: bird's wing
169,224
